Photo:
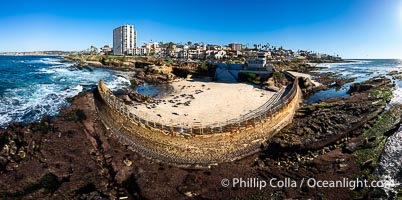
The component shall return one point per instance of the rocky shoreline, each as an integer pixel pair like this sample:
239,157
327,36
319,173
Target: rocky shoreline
336,138
72,156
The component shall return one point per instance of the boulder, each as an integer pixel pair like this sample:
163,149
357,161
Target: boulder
372,83
270,82
350,147
305,83
271,88
270,85
139,97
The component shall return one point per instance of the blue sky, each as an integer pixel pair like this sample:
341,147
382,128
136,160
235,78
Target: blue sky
350,28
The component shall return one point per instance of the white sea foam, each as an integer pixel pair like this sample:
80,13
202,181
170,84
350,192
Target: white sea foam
46,99
396,97
46,61
47,96
390,166
118,82
51,61
46,70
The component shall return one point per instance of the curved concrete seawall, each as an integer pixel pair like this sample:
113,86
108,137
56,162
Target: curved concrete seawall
195,150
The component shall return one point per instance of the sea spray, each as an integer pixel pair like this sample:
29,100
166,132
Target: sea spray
31,87
390,165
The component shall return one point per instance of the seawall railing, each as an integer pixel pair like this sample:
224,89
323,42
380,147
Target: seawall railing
278,101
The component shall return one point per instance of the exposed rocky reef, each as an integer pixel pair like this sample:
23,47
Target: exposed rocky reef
396,75
327,80
73,157
373,83
318,125
82,65
335,138
58,157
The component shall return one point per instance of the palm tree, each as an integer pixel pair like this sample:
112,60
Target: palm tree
170,47
93,50
267,46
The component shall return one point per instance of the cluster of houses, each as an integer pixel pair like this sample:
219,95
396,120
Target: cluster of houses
200,51
258,56
184,51
254,57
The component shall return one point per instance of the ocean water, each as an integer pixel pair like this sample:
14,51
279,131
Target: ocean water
34,86
361,70
390,165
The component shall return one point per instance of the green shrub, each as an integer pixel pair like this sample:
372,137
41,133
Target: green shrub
204,66
134,84
249,77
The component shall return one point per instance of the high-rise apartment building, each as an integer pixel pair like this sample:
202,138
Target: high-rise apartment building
124,40
236,46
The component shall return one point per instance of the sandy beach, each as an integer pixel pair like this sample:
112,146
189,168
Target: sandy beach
198,102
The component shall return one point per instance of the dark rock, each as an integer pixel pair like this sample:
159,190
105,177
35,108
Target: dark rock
351,147
50,182
318,125
89,191
368,85
140,98
367,164
305,83
372,139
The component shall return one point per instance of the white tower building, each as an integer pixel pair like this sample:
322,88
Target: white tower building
124,40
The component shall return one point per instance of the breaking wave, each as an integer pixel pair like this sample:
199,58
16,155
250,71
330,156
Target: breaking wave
39,86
